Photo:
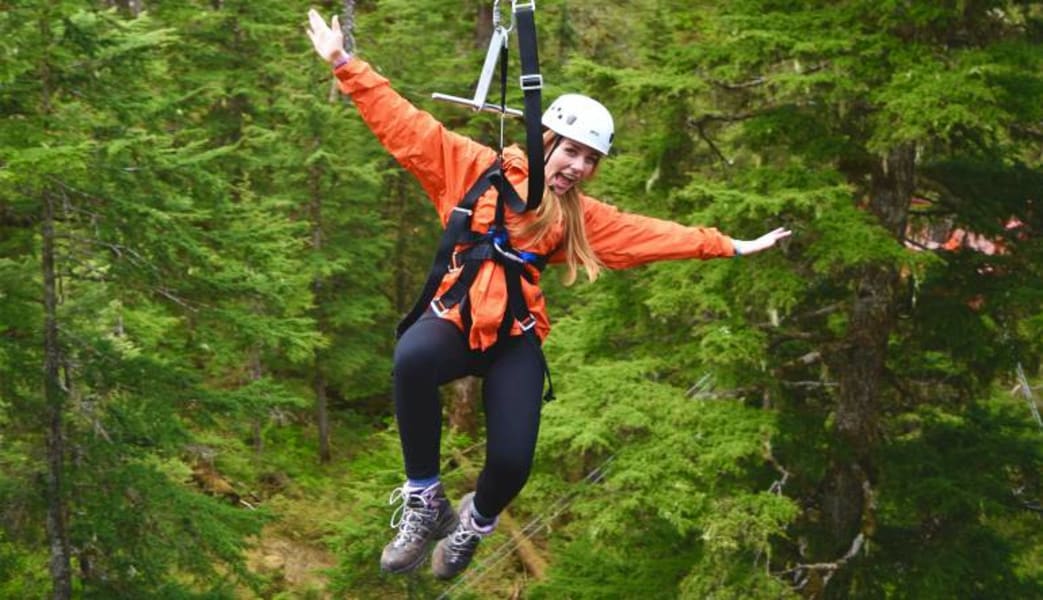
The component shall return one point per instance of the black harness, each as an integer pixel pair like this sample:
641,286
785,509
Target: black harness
476,249
495,245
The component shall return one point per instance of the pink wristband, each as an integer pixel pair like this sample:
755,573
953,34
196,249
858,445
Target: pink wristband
340,62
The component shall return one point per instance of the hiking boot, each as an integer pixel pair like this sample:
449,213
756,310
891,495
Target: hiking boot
423,517
455,552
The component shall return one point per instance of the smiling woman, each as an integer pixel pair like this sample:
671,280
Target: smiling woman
571,163
483,312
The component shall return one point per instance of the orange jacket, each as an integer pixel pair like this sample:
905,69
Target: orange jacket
447,164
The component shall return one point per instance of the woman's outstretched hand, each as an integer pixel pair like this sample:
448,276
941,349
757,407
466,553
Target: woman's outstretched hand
762,243
327,39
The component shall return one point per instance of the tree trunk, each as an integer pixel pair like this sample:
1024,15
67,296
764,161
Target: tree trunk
463,406
256,371
527,552
131,7
322,419
405,231
873,311
848,488
483,25
57,533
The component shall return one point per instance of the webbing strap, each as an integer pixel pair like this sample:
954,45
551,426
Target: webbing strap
531,84
490,246
469,262
458,226
519,310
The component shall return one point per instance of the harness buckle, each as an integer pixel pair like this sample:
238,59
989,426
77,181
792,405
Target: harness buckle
532,81
439,308
528,323
454,263
508,254
466,211
524,5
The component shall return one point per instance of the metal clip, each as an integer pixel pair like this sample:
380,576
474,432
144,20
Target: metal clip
531,82
528,323
439,308
454,263
507,254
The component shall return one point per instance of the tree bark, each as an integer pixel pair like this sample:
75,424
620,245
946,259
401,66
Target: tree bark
54,396
527,552
322,419
873,310
463,406
131,7
483,29
860,366
404,232
256,371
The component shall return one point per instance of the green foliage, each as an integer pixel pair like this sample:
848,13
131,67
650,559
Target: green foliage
958,480
786,115
229,238
675,485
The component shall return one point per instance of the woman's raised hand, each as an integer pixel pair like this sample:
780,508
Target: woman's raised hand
327,39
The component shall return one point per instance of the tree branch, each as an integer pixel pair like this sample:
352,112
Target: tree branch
778,484
762,79
802,573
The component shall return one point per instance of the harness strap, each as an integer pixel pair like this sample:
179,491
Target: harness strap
531,84
519,310
458,226
469,262
493,245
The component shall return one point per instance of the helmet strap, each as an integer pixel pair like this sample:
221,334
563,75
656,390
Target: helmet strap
557,142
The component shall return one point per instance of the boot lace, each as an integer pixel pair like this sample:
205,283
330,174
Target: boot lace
462,543
414,517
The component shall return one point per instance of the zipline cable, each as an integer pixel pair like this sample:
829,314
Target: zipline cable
531,528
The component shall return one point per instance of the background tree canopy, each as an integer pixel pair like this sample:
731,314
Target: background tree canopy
203,253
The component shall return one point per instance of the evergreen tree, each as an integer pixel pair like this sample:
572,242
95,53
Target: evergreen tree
167,275
833,119
201,246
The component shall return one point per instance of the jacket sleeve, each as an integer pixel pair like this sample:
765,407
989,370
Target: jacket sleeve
445,163
623,240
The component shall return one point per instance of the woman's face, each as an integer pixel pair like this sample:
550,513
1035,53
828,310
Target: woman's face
571,163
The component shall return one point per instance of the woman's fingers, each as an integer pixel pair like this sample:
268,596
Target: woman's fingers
318,24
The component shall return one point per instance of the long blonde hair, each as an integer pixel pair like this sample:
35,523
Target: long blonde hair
567,210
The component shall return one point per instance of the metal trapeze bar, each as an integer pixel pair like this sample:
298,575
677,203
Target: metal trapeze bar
481,91
487,107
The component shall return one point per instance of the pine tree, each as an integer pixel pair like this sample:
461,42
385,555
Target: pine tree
832,119
168,275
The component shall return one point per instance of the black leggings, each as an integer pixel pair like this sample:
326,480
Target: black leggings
433,352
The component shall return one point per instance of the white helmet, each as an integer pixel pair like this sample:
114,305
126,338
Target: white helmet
581,119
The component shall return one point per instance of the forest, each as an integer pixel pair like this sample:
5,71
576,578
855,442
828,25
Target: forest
204,253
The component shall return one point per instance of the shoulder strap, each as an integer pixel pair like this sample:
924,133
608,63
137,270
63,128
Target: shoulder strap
458,226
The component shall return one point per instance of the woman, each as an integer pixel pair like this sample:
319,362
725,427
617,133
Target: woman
482,331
